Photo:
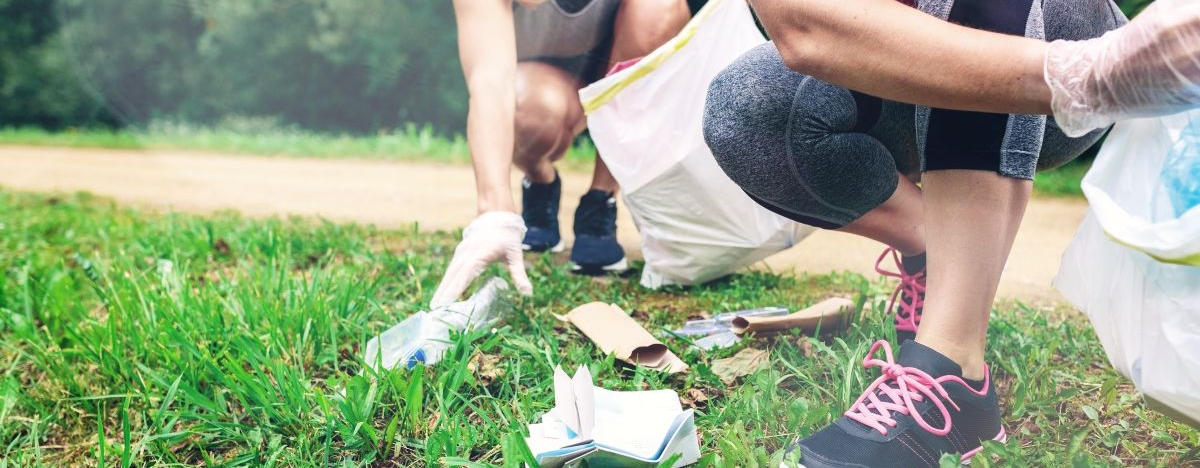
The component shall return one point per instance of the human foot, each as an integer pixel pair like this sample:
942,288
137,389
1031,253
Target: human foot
539,208
918,410
596,250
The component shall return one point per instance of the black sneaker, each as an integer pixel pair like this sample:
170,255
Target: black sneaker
596,250
918,410
539,208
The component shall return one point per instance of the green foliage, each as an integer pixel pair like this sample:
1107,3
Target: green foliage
37,83
1063,181
335,65
151,340
1133,7
345,65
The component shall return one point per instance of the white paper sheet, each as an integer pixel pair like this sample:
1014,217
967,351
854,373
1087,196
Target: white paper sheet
633,429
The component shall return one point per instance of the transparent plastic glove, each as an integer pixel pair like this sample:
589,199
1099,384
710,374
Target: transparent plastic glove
494,236
1146,68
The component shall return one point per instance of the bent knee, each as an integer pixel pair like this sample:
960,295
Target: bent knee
537,138
748,102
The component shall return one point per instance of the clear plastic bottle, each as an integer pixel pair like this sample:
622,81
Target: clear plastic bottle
1181,171
424,337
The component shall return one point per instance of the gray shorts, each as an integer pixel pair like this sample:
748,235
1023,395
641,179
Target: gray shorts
824,156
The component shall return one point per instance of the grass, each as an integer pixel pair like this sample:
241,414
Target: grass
265,138
132,338
1063,181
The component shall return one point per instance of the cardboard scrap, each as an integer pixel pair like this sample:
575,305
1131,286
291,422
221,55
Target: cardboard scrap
830,314
615,332
745,362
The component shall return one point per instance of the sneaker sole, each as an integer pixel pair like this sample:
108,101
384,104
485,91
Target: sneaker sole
966,458
558,248
619,266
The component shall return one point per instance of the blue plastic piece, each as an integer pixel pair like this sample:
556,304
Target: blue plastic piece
1181,172
417,358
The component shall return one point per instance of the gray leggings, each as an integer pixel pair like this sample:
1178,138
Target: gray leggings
824,156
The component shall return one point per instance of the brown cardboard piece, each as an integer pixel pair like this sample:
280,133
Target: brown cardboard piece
830,314
615,332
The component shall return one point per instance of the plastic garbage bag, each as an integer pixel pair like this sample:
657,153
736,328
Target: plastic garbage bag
696,224
1145,310
424,337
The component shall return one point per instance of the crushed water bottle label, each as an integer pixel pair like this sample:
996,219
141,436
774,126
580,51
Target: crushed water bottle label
417,358
1181,172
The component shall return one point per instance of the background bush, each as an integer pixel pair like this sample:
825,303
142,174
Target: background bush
356,66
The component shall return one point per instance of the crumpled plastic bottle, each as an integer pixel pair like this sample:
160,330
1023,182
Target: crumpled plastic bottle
716,333
424,337
1181,171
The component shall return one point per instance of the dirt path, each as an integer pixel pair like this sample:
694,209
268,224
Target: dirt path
394,194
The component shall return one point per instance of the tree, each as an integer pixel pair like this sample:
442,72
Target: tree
37,86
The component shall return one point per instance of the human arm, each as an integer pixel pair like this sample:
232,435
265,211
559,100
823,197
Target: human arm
881,47
889,50
488,52
487,49
1149,67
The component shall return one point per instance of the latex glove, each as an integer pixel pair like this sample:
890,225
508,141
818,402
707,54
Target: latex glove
494,236
1148,67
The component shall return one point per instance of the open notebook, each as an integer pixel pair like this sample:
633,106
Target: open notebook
612,429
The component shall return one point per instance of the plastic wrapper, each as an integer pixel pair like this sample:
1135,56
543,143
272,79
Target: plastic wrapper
1181,172
424,337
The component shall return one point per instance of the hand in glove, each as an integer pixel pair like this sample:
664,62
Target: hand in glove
492,237
1149,67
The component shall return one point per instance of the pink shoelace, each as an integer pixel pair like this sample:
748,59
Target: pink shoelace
901,386
908,315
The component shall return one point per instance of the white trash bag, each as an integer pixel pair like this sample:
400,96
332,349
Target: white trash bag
1134,267
647,122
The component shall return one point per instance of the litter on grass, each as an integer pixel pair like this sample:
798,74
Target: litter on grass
593,426
720,340
721,322
423,337
745,362
615,332
726,329
830,314
716,333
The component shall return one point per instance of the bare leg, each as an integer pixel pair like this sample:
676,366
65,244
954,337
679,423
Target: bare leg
547,119
641,26
971,219
898,222
602,179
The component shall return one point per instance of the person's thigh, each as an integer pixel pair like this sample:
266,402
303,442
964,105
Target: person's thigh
643,25
1012,145
799,146
548,111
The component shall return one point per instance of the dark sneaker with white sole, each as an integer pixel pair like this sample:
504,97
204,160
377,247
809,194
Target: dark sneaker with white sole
596,250
918,410
539,209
